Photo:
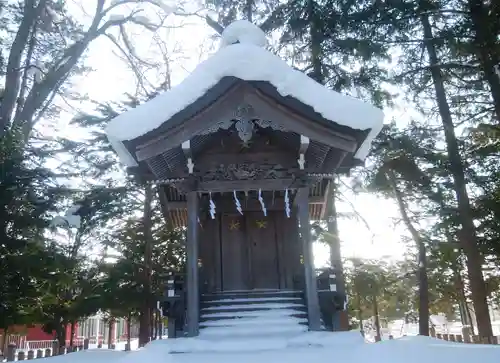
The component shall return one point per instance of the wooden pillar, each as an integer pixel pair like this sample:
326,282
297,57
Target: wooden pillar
313,310
193,306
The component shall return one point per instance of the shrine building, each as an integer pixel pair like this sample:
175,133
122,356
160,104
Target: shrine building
242,152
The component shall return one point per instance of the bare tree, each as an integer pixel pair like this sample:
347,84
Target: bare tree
29,90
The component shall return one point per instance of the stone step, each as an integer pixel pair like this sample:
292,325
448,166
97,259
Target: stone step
227,315
249,330
253,321
250,301
252,313
248,294
253,307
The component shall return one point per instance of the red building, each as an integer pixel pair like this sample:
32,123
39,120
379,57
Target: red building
95,328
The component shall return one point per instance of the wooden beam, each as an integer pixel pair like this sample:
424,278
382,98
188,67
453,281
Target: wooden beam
242,185
186,149
219,110
277,157
222,109
193,299
268,109
313,310
304,144
278,202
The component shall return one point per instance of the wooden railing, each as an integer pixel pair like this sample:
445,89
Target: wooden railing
13,353
471,339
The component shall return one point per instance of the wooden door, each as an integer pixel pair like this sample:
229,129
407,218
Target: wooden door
264,264
234,255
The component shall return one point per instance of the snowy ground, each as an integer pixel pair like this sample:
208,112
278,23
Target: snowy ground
309,347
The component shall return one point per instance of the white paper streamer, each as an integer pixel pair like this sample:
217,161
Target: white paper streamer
238,205
287,204
212,206
261,200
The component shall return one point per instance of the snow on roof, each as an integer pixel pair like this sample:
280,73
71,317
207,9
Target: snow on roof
243,32
249,61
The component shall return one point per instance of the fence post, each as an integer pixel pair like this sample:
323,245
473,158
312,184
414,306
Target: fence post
31,354
127,347
11,352
21,355
39,353
55,348
86,343
466,334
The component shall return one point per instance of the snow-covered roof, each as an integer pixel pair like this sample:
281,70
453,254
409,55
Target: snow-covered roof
248,61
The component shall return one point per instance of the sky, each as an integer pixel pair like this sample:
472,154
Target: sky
378,238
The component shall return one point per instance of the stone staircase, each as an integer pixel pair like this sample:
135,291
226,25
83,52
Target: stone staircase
253,314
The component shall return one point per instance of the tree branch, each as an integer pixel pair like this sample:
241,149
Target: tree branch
12,79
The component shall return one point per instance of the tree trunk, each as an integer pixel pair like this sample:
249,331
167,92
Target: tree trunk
5,341
467,310
61,334
145,315
152,332
335,256
129,327
72,334
12,77
467,235
423,281
485,41
110,332
360,312
378,337
249,10
341,318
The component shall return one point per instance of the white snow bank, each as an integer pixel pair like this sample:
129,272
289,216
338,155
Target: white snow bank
90,355
251,63
320,346
310,347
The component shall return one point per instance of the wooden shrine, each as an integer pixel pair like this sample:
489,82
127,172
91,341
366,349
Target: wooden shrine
245,169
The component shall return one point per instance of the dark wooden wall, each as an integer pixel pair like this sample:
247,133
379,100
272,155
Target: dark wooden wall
237,254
